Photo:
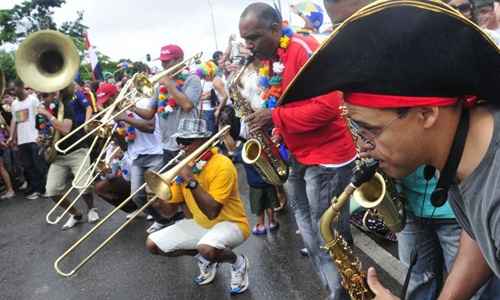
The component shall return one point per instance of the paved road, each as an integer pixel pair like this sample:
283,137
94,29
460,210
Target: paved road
124,269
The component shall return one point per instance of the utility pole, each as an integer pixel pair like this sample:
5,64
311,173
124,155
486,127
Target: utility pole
213,23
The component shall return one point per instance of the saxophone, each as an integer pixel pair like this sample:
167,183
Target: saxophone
259,150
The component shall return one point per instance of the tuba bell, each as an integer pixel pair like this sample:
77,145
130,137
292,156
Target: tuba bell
47,61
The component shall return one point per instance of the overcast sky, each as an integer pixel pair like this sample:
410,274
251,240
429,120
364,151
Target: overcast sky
132,28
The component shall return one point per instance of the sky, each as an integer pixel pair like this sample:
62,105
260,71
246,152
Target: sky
132,28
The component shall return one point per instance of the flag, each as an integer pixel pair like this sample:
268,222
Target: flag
94,61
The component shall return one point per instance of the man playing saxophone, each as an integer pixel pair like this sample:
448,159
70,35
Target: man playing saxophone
313,130
209,189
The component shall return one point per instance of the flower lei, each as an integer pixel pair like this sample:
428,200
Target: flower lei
200,164
167,105
270,74
127,132
43,124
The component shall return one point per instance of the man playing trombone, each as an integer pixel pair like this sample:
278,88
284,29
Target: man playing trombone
209,189
63,164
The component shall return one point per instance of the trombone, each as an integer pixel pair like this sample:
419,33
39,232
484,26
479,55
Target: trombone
98,225
138,85
90,170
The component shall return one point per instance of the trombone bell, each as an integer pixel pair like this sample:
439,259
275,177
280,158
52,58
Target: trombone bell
159,184
47,61
374,194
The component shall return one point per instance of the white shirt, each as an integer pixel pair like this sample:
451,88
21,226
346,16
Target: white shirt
145,143
206,104
495,34
24,113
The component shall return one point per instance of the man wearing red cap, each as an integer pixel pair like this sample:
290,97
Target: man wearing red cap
175,99
313,130
105,92
409,103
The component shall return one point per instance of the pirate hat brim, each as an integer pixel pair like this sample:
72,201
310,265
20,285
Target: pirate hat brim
405,48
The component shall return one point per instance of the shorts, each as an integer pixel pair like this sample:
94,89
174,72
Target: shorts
186,234
262,198
58,177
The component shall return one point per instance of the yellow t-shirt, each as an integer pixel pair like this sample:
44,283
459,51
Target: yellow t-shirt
220,179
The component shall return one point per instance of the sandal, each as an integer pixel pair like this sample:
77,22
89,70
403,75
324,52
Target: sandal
259,230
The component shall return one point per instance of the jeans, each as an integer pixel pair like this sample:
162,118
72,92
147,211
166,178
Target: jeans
209,117
141,164
34,165
436,242
310,190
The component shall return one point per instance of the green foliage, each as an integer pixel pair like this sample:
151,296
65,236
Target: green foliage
7,64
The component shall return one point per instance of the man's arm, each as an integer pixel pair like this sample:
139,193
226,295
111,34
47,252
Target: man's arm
145,113
191,95
207,204
469,272
64,126
12,131
147,126
221,92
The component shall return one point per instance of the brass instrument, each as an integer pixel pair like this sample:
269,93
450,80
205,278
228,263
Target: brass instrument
137,86
99,165
160,183
101,222
259,150
47,61
353,279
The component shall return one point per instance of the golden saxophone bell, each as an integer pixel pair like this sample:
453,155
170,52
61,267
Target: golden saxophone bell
47,61
375,194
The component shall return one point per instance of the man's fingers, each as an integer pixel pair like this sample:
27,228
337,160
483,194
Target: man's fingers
373,282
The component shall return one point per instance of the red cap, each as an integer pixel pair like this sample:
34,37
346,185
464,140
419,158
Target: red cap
170,52
105,92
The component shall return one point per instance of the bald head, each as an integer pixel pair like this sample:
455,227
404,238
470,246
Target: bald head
264,13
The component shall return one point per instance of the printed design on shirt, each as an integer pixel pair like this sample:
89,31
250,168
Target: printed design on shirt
22,115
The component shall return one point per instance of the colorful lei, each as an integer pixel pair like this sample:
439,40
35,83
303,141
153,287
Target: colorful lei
200,164
207,70
167,105
270,73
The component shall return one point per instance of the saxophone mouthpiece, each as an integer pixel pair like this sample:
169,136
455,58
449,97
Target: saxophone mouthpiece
363,171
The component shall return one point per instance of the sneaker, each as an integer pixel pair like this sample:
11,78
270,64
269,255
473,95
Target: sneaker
92,215
8,195
207,273
155,227
149,218
274,226
33,196
140,215
24,186
259,230
239,278
304,252
72,222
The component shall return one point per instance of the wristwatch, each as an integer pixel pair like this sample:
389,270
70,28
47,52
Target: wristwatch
192,184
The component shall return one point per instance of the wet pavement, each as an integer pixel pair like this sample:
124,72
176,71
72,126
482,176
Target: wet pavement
125,270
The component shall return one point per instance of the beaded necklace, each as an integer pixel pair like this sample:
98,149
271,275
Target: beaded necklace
167,104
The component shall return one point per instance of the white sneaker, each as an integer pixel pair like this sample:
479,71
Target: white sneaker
33,196
239,278
207,273
155,227
23,186
149,217
72,222
8,195
92,215
140,215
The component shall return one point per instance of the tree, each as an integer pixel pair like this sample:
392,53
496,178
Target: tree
7,64
27,17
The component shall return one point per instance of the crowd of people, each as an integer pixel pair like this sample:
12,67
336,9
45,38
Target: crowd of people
203,214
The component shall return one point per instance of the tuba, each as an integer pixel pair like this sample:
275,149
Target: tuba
259,150
47,61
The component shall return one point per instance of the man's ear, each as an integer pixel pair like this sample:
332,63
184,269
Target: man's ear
276,27
428,115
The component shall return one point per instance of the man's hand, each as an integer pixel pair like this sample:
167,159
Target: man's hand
261,119
186,173
169,83
381,293
44,112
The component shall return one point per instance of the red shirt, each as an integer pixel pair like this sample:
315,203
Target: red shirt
312,129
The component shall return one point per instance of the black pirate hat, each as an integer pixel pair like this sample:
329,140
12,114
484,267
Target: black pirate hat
403,48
